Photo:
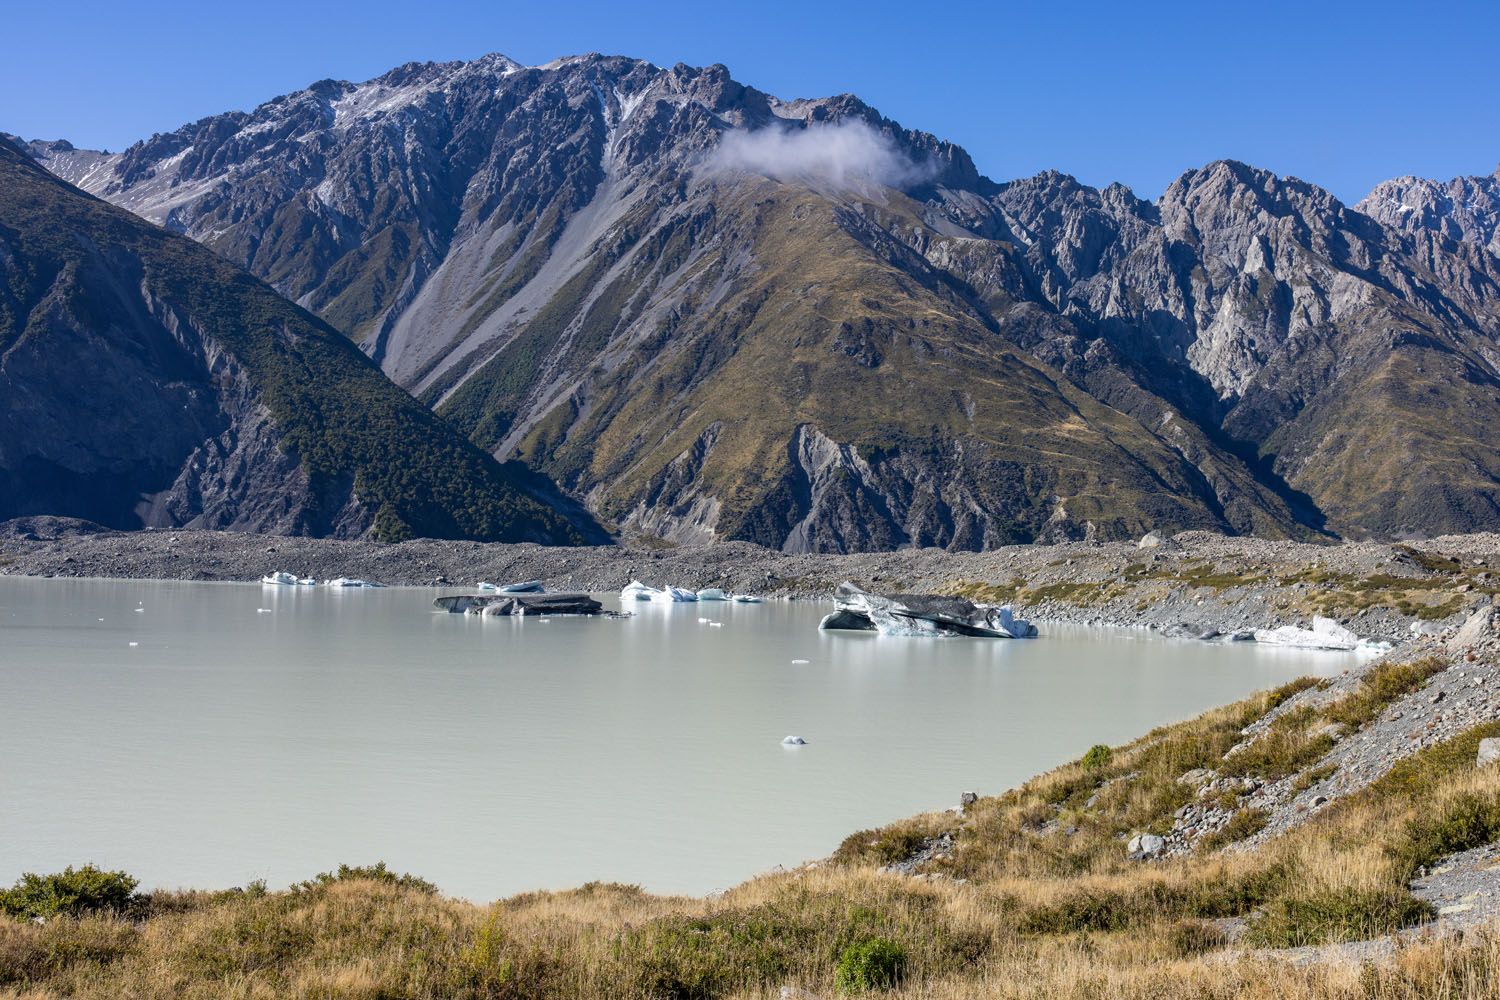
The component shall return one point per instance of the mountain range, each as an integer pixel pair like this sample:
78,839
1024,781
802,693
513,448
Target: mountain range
704,312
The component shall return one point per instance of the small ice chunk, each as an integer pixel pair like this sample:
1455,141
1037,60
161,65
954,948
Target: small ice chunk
262,611
704,621
715,624
135,644
794,741
801,661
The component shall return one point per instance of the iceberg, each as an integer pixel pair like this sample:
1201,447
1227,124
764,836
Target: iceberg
529,587
745,599
673,595
286,580
635,590
793,741
921,614
520,605
1324,634
486,587
344,581
712,594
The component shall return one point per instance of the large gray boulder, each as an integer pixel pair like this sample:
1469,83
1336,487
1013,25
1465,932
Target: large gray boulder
1489,752
1146,845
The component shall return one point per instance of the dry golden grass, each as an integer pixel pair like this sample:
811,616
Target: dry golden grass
1031,909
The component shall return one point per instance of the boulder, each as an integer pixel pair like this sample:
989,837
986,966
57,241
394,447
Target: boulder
1156,540
1146,845
1475,628
1489,752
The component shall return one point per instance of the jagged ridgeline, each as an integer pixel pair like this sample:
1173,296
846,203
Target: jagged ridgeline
146,381
711,313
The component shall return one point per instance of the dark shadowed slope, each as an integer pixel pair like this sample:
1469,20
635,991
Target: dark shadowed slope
146,381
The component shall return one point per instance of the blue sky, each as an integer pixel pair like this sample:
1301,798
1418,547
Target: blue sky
1340,94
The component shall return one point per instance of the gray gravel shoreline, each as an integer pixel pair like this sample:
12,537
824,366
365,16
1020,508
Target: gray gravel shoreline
1117,584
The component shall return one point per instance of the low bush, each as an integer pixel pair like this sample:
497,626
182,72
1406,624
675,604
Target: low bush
1470,819
72,892
875,964
1245,823
377,872
1098,757
1189,938
1329,916
1380,687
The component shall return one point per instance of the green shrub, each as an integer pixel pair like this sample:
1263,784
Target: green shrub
1245,823
1381,686
875,964
73,892
1188,938
377,872
1285,747
1332,916
1471,820
1098,757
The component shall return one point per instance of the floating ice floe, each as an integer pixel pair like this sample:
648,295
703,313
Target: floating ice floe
793,741
745,599
280,579
1324,634
801,661
712,594
344,581
519,605
673,595
920,614
486,586
635,590
528,587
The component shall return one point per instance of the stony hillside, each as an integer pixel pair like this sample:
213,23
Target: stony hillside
144,381
715,314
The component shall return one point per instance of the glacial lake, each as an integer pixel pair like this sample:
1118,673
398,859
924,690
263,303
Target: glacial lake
203,743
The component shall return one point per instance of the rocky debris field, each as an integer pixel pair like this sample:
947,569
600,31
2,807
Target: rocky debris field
1190,585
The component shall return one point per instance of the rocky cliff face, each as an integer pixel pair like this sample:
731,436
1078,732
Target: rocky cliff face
716,314
145,382
1463,209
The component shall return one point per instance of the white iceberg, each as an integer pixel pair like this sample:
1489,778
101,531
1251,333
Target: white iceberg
529,587
635,590
793,741
286,580
673,595
1324,634
745,599
712,594
345,581
486,586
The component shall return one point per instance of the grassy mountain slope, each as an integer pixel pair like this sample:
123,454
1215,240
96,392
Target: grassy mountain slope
822,397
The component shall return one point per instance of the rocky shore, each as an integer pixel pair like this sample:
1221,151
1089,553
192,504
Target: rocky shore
1190,585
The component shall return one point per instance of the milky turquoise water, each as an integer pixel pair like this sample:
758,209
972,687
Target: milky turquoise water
493,756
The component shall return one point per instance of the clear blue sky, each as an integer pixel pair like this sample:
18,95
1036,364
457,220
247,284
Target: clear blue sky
1341,94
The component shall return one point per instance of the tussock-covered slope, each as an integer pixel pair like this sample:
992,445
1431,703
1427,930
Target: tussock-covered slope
146,381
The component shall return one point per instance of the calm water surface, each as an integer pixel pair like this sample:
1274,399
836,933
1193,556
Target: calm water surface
201,743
